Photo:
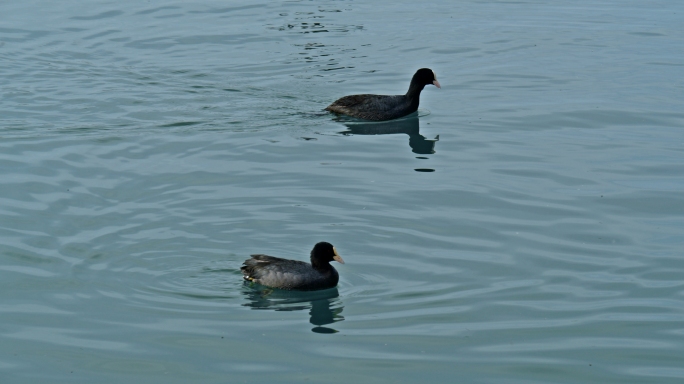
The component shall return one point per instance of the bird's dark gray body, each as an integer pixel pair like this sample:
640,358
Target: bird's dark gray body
288,274
292,274
375,107
385,107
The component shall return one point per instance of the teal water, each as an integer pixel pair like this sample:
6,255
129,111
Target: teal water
525,227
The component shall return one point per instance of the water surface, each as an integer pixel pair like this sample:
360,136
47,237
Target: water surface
524,227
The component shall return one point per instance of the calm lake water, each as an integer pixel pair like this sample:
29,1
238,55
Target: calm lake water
527,226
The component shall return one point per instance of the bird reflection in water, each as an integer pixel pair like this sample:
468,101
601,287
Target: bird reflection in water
324,306
410,126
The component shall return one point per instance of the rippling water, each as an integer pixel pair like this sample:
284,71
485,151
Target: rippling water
525,227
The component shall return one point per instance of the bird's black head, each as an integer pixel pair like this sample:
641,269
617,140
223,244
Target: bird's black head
324,253
425,76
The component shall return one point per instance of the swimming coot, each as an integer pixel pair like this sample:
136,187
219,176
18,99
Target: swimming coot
382,107
292,274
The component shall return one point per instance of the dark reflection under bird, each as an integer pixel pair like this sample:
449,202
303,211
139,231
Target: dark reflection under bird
324,305
411,126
